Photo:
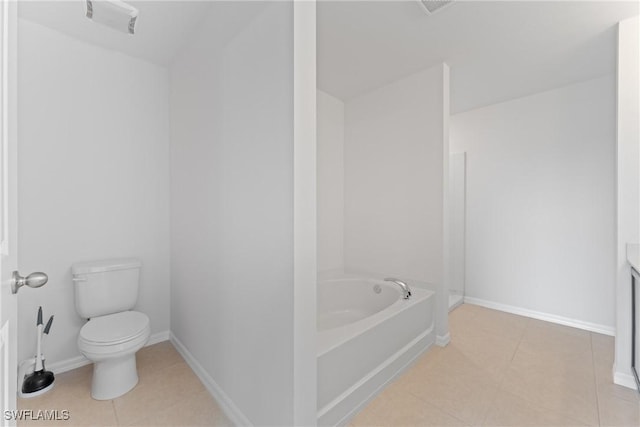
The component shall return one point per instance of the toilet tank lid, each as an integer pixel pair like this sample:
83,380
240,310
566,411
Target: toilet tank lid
105,265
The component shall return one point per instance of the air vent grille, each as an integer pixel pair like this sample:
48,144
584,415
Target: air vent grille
432,6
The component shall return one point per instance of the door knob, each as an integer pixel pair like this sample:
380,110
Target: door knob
34,280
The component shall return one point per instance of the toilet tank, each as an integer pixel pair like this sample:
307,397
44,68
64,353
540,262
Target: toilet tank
106,287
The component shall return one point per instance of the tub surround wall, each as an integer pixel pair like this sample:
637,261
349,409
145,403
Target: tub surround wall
396,172
628,189
232,208
94,124
540,204
330,161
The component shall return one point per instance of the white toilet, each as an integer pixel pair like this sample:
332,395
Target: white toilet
106,291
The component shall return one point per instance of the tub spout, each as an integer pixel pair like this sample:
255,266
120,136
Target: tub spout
406,292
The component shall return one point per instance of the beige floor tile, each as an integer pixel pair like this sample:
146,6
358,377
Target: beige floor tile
82,409
614,390
603,370
156,393
497,322
558,393
556,340
156,357
404,410
483,351
533,373
618,412
72,392
429,358
432,355
168,393
372,413
574,366
189,410
510,410
556,328
470,308
461,317
603,348
458,394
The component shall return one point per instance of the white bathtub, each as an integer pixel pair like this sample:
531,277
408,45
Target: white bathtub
367,334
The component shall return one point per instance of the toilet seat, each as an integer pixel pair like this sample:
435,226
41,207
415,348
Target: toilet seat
115,329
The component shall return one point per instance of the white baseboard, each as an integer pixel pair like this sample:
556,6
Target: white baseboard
79,361
227,405
624,379
443,340
68,364
566,321
158,337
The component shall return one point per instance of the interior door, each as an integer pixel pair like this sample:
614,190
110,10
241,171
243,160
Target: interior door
8,207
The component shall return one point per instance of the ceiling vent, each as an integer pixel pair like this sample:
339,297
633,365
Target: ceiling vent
432,6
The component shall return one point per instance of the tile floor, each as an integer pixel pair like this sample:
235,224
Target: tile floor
168,394
506,370
499,370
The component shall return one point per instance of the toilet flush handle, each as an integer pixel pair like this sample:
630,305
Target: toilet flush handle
34,280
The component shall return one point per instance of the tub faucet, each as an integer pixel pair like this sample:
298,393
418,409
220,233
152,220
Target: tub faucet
406,292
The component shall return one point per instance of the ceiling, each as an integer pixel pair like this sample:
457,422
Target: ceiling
496,50
162,27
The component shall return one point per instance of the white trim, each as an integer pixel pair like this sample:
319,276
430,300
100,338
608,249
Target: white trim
443,340
305,271
67,364
560,320
80,361
4,129
227,405
624,379
4,350
158,337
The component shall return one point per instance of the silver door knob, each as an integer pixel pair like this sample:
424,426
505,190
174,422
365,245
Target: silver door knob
34,280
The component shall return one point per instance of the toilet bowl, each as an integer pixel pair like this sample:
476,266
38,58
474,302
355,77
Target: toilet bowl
111,343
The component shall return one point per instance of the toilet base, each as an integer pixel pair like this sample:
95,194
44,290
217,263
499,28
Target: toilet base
114,377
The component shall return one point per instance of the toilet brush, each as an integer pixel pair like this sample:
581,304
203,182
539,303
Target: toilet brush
41,380
45,334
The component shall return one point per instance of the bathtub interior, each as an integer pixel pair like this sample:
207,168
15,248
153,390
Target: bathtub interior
344,301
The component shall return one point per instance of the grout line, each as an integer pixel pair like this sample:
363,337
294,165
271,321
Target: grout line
503,377
444,411
115,413
595,380
524,331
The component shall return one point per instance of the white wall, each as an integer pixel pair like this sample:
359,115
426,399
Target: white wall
457,190
330,192
540,202
396,173
93,176
628,188
394,179
232,207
